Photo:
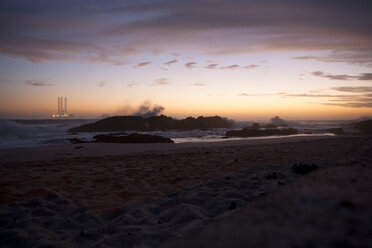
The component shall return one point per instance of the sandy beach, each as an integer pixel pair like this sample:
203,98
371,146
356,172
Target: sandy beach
190,194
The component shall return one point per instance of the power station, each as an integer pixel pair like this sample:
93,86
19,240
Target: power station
62,109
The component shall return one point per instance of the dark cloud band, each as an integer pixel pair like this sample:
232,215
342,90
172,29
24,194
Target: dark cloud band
114,30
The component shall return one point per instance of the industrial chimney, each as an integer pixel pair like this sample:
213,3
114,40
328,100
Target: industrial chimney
62,108
58,107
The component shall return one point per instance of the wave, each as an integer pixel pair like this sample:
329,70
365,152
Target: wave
26,133
11,128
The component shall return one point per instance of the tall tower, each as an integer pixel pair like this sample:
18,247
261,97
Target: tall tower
58,106
65,105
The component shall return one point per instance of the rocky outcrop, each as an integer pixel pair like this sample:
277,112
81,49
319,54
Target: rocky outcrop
132,138
154,123
115,123
255,131
270,126
255,126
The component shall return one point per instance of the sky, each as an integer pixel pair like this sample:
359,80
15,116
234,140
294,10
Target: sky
245,60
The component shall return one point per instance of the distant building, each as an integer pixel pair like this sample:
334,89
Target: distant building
62,109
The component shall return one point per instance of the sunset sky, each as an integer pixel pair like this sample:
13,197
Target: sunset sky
251,59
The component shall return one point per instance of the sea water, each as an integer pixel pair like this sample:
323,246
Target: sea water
30,133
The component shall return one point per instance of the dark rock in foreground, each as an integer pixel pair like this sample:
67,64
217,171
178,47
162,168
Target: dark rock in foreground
304,169
76,141
154,123
132,138
256,131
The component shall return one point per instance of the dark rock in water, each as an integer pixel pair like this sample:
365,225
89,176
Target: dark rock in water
363,126
249,132
270,126
76,141
304,169
132,138
232,206
336,131
104,137
162,122
115,123
255,126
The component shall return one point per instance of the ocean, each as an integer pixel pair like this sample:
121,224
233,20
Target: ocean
31,133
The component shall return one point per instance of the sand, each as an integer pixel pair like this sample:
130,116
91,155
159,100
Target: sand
188,195
332,207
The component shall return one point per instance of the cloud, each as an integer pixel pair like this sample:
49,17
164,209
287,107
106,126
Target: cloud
331,76
308,95
358,56
305,58
98,31
101,84
142,64
233,67
38,83
2,81
364,76
251,66
352,104
262,94
285,94
39,50
197,84
230,67
170,62
132,85
360,100
246,94
156,51
360,89
211,66
161,82
190,65
360,97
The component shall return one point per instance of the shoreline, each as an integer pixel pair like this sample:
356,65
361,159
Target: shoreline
55,152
